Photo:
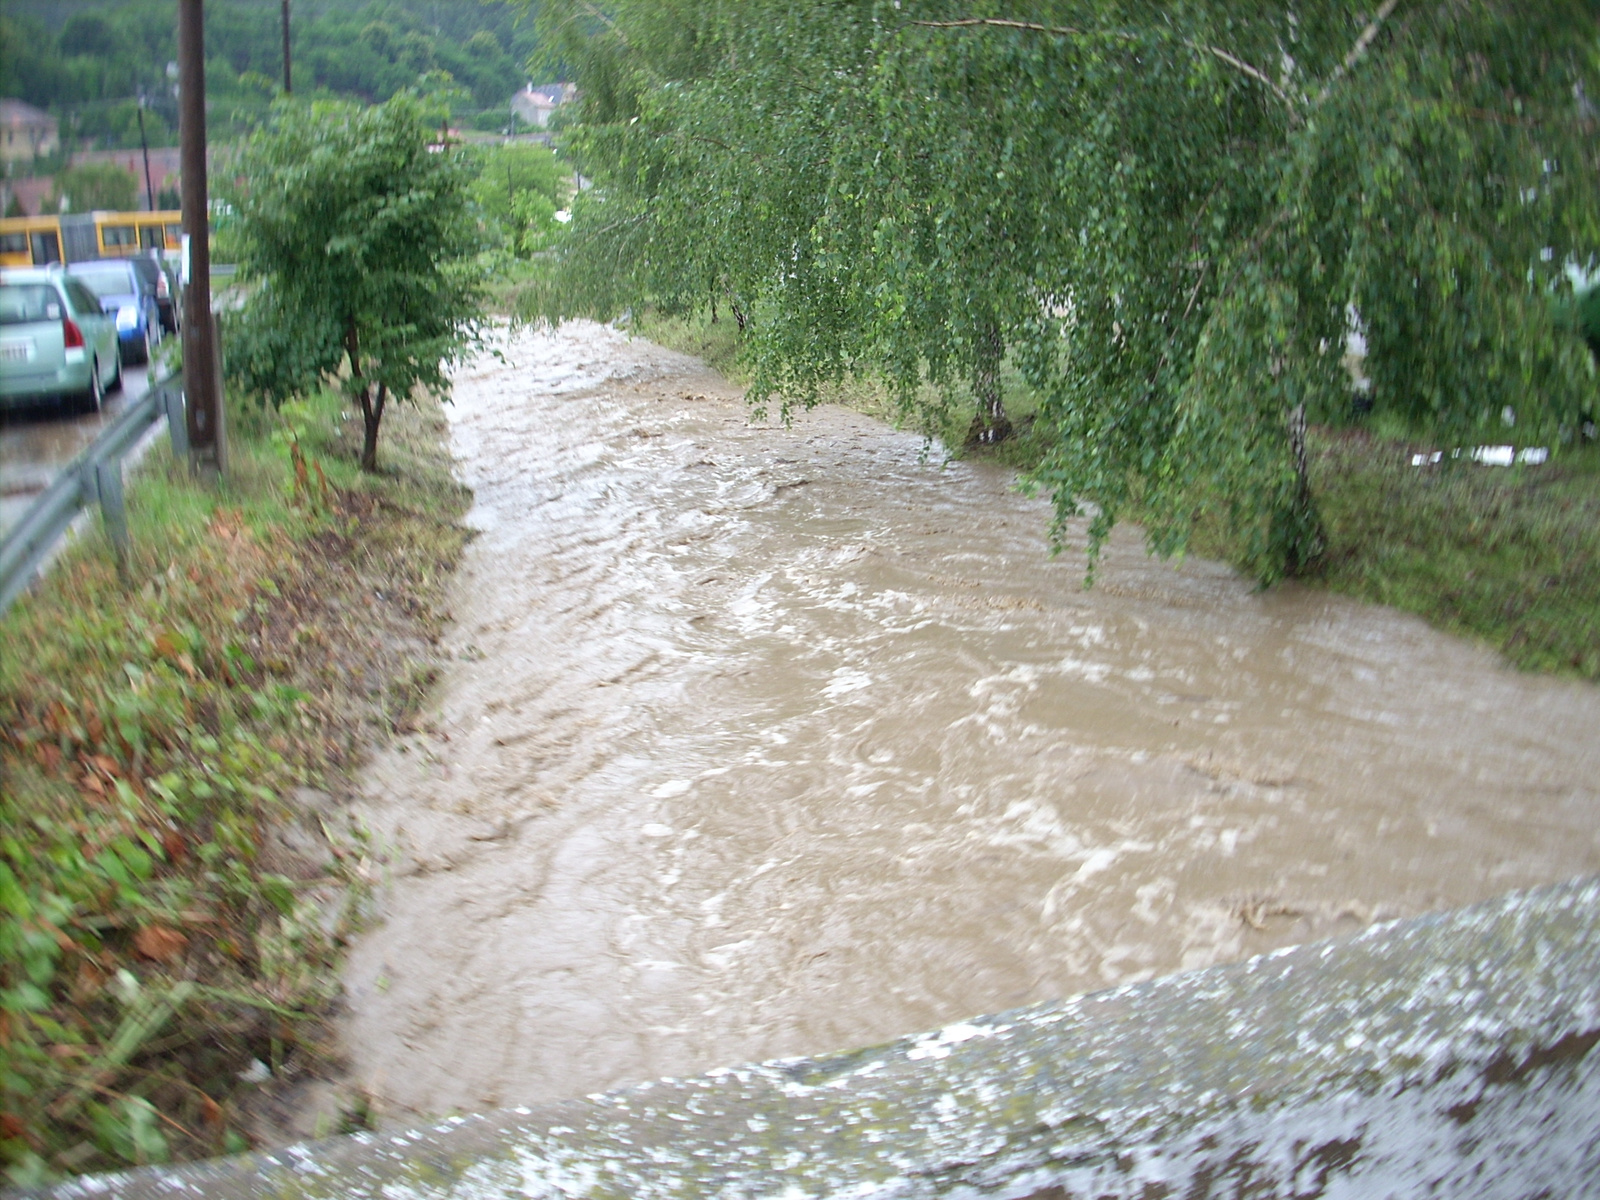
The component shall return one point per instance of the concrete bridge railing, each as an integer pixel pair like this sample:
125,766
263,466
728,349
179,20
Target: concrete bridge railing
1451,1055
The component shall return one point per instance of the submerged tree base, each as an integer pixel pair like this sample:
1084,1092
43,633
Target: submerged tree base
988,430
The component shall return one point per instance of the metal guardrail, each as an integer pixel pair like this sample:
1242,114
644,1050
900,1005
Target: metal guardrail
95,476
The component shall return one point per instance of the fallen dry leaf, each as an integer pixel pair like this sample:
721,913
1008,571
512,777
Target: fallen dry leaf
55,717
159,943
210,1112
87,985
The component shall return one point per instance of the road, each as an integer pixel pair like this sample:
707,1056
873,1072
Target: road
36,442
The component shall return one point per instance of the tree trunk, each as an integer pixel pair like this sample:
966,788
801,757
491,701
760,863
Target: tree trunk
1303,537
371,407
990,425
371,418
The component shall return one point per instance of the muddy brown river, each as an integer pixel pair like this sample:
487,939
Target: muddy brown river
763,741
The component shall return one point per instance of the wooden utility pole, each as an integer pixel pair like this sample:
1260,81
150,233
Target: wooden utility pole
202,383
144,144
286,88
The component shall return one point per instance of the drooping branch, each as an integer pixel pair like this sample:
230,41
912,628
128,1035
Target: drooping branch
1072,31
1357,50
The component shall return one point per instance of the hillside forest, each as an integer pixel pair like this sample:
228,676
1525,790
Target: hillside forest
90,62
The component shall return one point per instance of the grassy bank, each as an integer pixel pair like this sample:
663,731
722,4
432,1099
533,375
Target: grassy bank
176,866
1509,556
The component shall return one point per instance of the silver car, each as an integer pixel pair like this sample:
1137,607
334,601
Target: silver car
54,340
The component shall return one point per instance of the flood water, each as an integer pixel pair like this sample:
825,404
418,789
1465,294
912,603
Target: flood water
763,741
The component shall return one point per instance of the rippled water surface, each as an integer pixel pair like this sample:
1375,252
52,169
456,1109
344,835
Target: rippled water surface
763,741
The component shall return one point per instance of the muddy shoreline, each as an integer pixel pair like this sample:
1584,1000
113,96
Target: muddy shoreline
759,741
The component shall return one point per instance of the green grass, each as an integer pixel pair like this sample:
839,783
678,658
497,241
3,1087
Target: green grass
1507,556
715,343
155,936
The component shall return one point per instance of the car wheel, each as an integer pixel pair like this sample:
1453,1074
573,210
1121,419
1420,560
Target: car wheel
116,380
91,400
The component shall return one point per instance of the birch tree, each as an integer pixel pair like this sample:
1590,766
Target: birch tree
1170,217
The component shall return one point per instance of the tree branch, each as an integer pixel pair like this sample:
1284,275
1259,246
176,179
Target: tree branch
594,10
1195,293
1253,72
700,137
1484,114
1001,23
1359,49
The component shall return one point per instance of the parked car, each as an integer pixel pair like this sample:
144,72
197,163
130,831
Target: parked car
55,340
130,295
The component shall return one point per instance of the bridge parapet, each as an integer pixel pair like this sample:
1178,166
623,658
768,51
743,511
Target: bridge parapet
1448,1055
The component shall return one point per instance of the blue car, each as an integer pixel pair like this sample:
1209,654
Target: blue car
130,296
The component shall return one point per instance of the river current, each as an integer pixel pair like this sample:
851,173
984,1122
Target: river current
762,740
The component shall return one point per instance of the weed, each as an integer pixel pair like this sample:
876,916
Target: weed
155,940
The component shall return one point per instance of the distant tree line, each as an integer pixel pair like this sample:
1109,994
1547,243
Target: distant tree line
90,62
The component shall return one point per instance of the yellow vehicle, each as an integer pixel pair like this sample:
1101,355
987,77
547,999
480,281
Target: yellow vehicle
77,237
124,234
30,241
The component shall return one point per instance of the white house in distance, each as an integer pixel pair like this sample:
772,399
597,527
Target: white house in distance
25,132
534,103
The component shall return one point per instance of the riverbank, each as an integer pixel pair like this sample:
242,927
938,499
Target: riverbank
1506,556
178,868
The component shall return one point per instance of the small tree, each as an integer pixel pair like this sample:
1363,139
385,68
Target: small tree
518,190
94,186
358,229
